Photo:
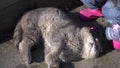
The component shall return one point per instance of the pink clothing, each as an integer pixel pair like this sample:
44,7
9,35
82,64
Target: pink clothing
116,44
90,14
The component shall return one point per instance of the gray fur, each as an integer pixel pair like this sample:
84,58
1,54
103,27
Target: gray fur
63,40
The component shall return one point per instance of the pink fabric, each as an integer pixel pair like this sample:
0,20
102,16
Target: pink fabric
90,14
116,44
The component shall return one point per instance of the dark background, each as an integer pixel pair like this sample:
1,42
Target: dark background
12,10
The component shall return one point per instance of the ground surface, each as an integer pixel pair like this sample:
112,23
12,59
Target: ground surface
10,58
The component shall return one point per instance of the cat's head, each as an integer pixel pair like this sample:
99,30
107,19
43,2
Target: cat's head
91,44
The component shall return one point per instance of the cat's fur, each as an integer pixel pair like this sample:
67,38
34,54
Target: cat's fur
63,40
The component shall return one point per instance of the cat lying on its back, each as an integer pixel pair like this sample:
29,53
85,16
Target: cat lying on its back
63,40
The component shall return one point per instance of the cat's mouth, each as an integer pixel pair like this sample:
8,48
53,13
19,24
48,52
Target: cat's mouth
89,51
92,49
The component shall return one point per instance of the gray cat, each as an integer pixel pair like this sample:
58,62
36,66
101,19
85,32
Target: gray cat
63,40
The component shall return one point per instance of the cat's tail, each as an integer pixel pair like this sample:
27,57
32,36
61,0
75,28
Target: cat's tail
17,37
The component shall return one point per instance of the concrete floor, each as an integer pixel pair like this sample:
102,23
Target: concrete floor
10,58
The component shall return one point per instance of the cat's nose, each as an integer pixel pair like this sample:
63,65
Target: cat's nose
91,44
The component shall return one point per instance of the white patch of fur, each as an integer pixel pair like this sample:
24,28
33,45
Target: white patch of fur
89,48
20,47
48,44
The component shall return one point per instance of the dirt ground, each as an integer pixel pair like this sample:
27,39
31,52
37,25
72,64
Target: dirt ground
110,58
